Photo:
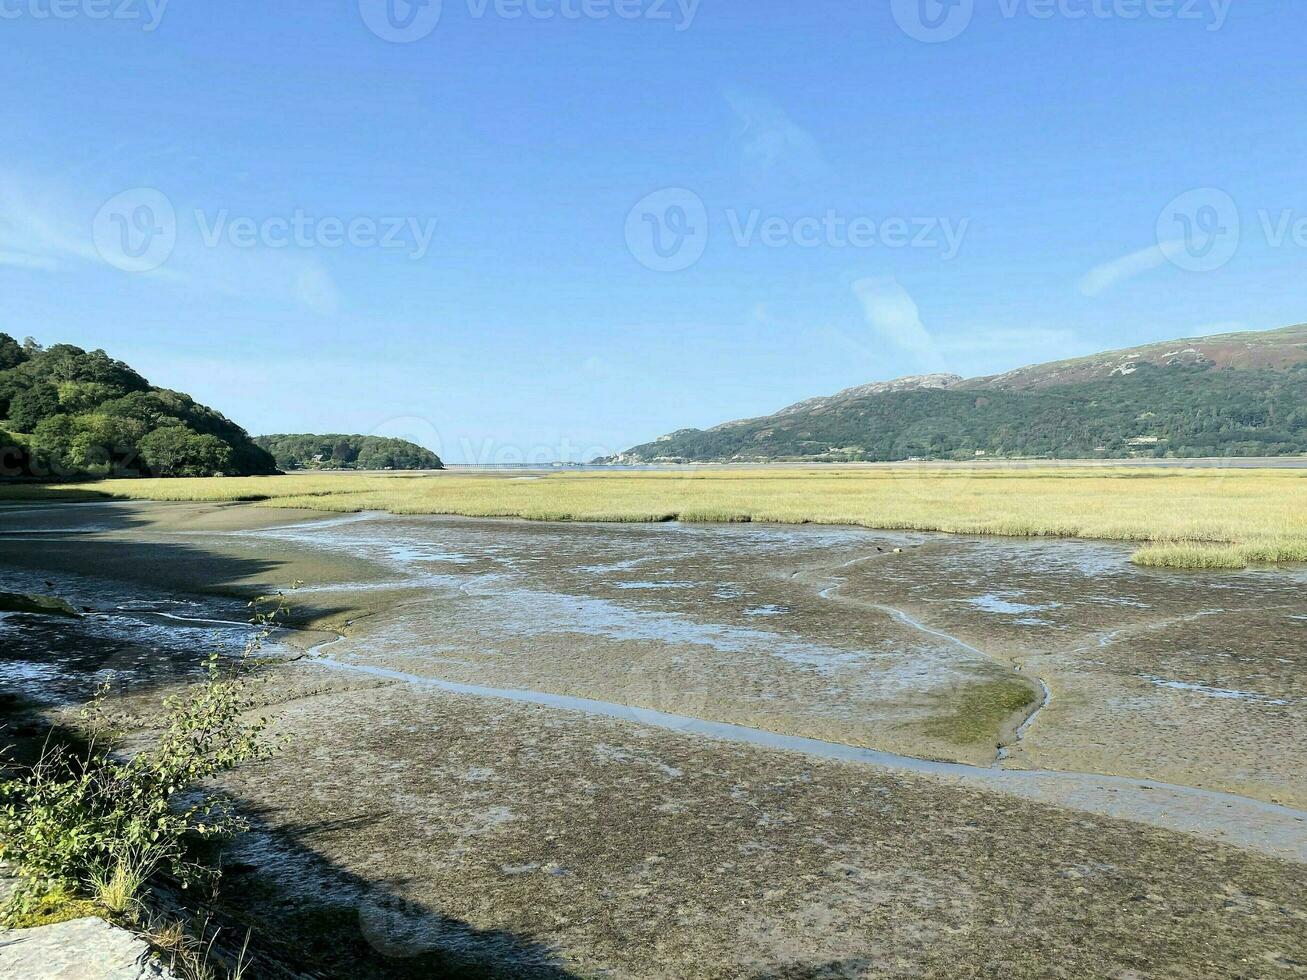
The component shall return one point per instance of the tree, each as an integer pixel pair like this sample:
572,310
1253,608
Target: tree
177,451
347,452
64,362
30,406
103,445
104,409
82,396
52,447
144,406
13,455
343,452
11,352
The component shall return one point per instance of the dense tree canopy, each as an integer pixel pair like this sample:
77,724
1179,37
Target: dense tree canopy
1182,410
342,452
67,413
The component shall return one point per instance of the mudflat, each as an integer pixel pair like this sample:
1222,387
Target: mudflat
526,747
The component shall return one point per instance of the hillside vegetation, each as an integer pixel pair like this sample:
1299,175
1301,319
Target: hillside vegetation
66,413
342,452
1219,518
1231,395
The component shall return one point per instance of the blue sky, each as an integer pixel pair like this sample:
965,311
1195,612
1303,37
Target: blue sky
837,200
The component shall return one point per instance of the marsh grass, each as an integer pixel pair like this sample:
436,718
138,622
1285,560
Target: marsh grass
1200,518
1195,556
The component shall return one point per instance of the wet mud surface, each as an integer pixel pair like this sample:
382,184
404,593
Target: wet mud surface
609,849
441,830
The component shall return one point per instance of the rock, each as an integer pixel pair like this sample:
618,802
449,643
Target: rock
83,949
42,605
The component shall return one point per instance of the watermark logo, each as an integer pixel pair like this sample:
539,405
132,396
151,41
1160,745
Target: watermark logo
398,929
489,453
933,21
406,21
401,21
676,701
492,453
136,231
1199,231
667,231
149,13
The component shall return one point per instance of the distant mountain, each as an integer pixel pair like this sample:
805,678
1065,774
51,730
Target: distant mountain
340,452
66,413
1240,394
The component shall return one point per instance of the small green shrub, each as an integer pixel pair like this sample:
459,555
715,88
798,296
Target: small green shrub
101,821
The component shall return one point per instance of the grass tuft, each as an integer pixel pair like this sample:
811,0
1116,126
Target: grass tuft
1195,556
118,888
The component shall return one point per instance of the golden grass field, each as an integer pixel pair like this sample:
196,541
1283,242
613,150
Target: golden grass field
1201,518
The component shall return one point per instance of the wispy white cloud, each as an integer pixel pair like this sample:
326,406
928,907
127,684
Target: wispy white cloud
897,328
893,315
37,227
771,145
23,260
1109,274
45,228
315,289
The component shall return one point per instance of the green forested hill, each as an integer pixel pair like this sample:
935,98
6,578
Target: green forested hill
66,413
1234,395
345,452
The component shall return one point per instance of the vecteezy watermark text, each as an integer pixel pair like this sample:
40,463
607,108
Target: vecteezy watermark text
137,231
406,21
934,21
679,13
835,230
148,12
669,230
303,230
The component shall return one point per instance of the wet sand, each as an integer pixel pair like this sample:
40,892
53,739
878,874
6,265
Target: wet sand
635,845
